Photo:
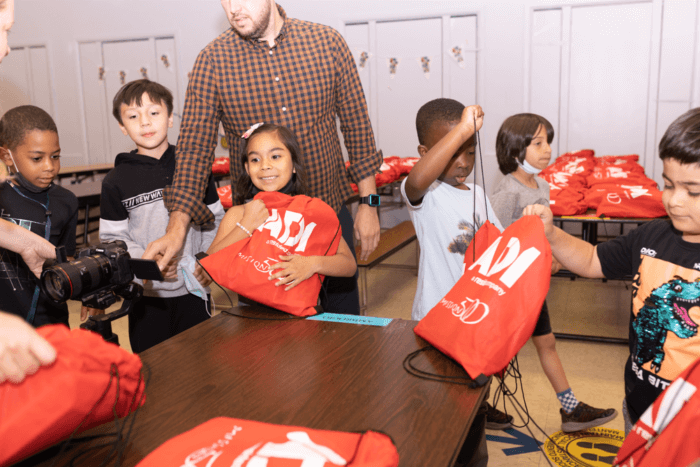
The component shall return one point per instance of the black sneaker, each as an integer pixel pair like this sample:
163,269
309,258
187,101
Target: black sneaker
497,420
584,417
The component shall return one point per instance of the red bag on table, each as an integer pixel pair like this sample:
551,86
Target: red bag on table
492,310
402,164
617,159
581,153
225,196
221,166
77,392
567,202
560,180
388,174
632,201
226,442
298,225
663,435
621,174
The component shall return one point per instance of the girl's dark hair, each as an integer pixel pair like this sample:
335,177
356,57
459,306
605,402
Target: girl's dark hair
515,136
681,141
245,188
19,121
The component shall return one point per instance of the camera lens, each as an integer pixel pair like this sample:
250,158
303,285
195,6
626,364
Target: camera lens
56,284
71,280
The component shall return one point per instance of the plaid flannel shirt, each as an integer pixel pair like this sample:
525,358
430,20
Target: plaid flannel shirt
302,82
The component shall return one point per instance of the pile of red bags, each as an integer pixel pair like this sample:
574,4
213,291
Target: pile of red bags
615,186
393,168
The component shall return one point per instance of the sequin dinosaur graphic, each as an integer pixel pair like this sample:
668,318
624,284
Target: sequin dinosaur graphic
666,309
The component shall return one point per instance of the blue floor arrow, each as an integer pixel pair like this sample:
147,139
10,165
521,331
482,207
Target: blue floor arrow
524,442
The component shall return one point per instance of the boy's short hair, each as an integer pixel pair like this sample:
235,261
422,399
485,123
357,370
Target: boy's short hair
681,141
441,110
133,91
17,122
515,135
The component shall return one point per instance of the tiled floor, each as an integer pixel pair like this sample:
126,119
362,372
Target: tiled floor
594,370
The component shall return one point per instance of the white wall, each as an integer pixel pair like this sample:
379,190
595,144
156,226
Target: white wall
60,24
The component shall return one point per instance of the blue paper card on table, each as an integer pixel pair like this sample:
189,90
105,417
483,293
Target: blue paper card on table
352,319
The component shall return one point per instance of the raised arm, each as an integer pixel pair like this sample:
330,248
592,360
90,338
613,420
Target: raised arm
576,255
433,162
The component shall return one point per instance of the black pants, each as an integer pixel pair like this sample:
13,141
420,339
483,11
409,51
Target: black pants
155,319
340,294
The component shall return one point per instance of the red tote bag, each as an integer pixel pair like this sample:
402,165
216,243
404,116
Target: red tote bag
663,435
492,310
77,392
298,225
226,442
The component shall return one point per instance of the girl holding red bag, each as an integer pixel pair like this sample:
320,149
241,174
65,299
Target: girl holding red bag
273,162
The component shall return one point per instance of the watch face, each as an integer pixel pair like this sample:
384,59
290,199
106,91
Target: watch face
374,200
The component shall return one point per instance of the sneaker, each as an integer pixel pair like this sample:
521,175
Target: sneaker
584,416
497,420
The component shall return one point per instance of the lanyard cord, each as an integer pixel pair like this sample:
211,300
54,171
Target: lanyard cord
47,235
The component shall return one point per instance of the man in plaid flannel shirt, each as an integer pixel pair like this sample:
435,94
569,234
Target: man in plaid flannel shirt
270,68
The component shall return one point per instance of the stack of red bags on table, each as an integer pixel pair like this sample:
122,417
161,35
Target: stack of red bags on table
221,166
567,182
615,186
392,168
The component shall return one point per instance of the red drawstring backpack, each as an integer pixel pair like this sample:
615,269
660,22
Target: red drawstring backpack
664,433
621,174
221,166
388,174
567,202
492,310
632,201
298,225
77,392
617,159
225,196
402,164
227,442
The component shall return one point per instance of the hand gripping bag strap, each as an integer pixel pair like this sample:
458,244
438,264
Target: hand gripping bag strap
297,225
663,435
232,442
491,311
90,380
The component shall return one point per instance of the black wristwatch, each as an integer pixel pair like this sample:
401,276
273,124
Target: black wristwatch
372,200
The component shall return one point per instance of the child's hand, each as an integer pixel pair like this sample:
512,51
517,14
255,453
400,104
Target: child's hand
556,265
544,213
170,270
293,270
469,114
255,214
201,275
86,311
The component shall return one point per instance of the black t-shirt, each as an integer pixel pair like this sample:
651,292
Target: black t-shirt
665,312
29,210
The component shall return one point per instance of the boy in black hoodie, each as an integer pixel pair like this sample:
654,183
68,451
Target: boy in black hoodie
132,210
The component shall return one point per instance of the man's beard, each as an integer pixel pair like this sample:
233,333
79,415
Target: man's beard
259,28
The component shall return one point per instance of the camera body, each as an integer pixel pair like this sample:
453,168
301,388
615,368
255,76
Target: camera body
91,277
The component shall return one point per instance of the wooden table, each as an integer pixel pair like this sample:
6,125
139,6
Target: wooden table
315,374
590,222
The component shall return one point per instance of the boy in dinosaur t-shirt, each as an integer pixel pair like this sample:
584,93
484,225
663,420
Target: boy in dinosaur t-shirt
664,256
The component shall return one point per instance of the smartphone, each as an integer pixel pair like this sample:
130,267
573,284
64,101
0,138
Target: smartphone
146,269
